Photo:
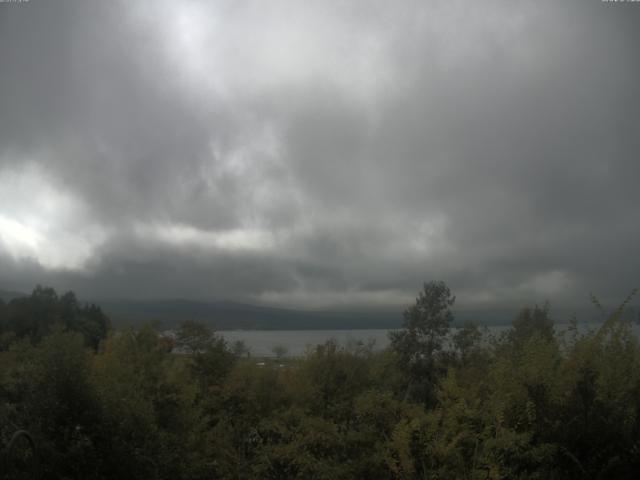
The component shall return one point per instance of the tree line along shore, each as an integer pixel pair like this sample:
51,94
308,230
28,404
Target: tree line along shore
101,403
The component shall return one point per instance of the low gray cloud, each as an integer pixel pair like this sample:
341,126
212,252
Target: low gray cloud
320,154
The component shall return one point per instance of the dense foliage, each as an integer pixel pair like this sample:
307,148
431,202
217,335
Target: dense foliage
135,404
39,314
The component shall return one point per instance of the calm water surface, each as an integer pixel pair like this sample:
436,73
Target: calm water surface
261,343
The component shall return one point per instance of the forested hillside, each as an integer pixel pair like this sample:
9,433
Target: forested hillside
530,404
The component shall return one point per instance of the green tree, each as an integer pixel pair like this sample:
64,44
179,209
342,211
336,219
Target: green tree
418,345
47,390
466,340
530,322
36,315
329,380
210,359
193,337
151,425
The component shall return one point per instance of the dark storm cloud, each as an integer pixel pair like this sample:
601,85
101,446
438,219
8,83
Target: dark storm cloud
337,153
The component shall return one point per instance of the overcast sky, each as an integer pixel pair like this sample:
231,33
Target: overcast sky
321,153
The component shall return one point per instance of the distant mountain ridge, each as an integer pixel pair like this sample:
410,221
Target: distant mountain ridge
231,315
8,295
228,315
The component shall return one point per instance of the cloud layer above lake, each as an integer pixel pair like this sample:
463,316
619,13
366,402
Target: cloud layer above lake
321,153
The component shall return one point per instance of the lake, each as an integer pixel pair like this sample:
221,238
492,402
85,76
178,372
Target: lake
262,342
